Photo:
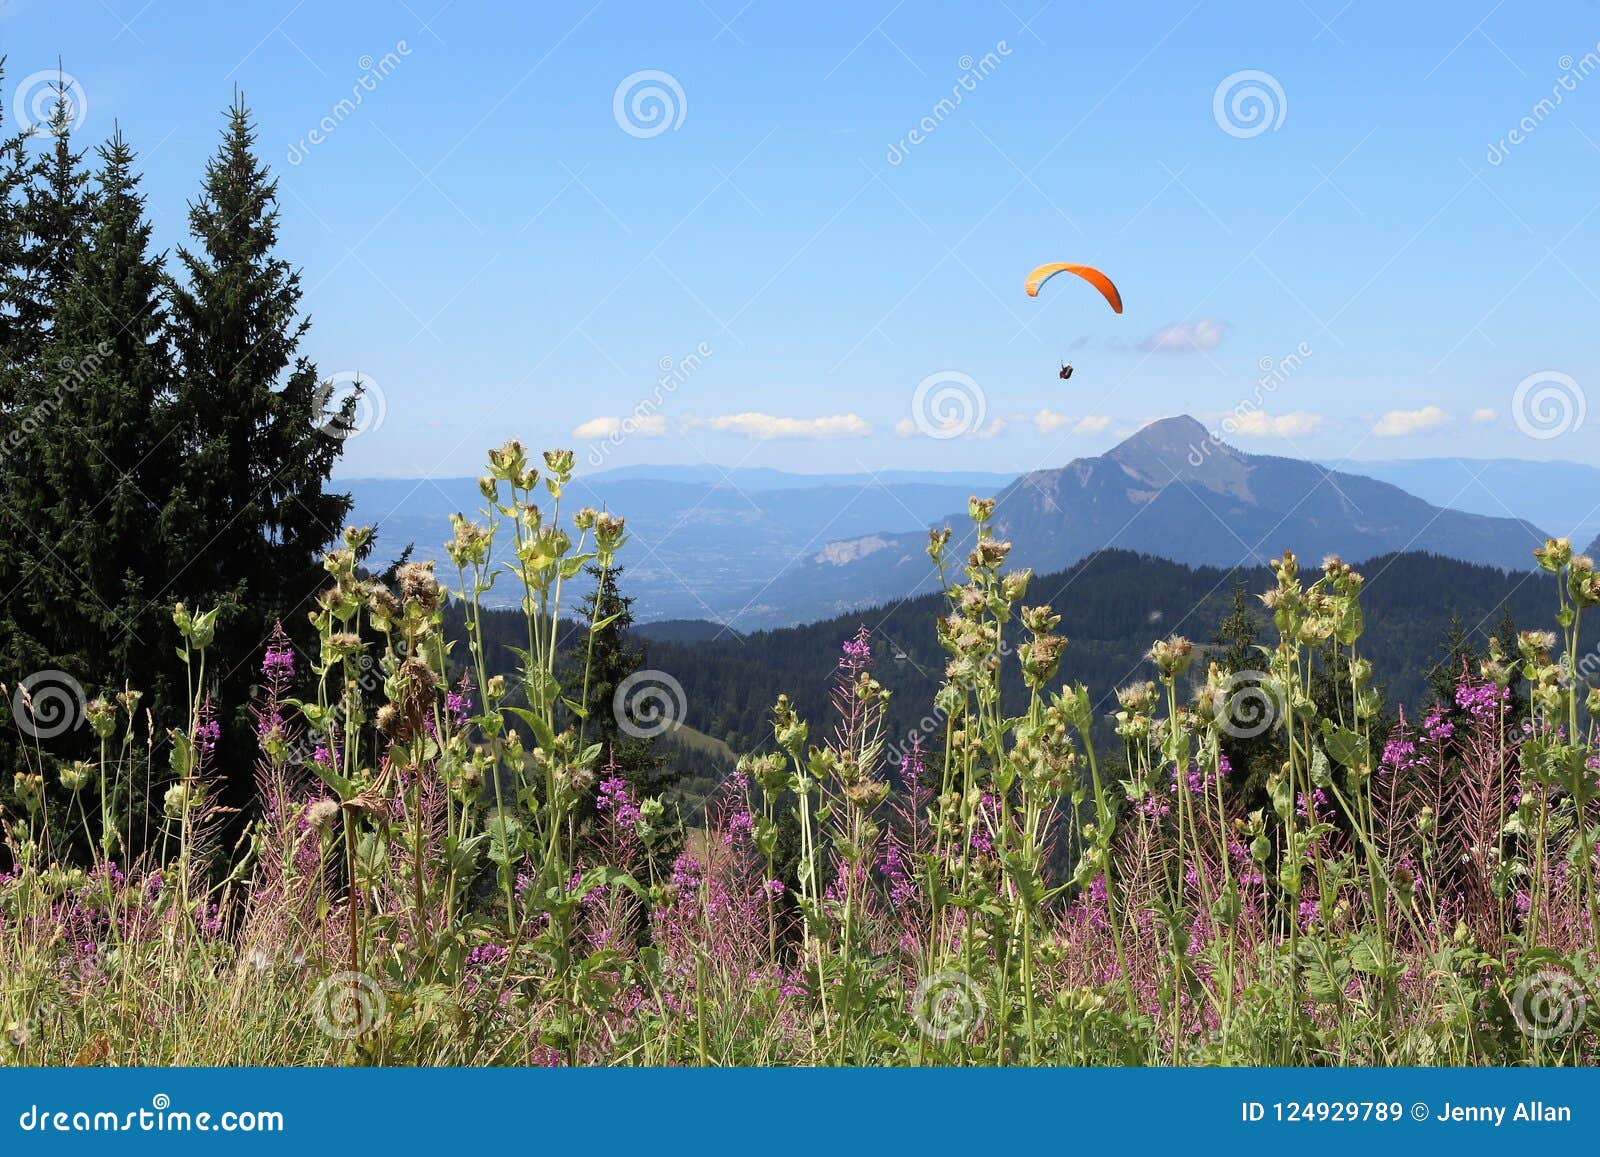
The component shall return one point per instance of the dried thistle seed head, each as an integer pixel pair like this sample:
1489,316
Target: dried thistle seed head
980,510
1172,656
866,793
1040,657
1138,697
343,645
417,583
608,532
415,685
469,543
321,814
76,775
989,554
385,609
1536,646
1040,620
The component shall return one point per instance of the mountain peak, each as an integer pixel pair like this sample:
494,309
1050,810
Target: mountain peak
1182,448
1179,426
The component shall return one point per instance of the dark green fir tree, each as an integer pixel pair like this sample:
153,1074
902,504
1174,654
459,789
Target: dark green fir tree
249,511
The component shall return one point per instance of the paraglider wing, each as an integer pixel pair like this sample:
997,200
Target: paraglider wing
1090,274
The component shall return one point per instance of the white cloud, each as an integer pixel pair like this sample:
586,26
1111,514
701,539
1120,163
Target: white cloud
752,424
1400,423
1093,424
1483,417
644,425
598,428
1047,421
1260,424
1205,333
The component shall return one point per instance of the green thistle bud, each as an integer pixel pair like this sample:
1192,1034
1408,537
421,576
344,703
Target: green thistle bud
102,717
76,775
1554,554
508,461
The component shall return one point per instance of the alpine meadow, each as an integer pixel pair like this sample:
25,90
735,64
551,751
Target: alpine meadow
879,715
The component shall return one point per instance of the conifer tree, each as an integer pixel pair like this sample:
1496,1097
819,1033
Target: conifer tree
96,470
54,215
248,512
43,206
612,656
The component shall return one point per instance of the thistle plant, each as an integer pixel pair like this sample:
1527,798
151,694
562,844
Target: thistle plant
440,832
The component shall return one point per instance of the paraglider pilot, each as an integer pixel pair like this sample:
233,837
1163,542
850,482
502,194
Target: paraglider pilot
1066,371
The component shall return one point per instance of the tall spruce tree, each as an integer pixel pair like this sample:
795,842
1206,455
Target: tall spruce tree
248,511
46,203
610,655
14,170
96,468
54,215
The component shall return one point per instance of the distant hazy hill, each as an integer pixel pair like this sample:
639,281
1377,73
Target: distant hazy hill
683,631
698,548
1170,491
1114,605
1561,497
758,548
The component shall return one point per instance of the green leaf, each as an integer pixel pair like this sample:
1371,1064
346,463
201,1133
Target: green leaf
542,732
1344,746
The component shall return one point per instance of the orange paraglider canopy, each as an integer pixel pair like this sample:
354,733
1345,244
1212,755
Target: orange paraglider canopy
1090,274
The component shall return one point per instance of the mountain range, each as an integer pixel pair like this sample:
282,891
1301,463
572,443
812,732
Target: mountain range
1172,491
758,548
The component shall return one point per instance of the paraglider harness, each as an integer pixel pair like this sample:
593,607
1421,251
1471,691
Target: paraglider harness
1066,371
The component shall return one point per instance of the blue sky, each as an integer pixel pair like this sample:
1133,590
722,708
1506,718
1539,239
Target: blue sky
483,237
